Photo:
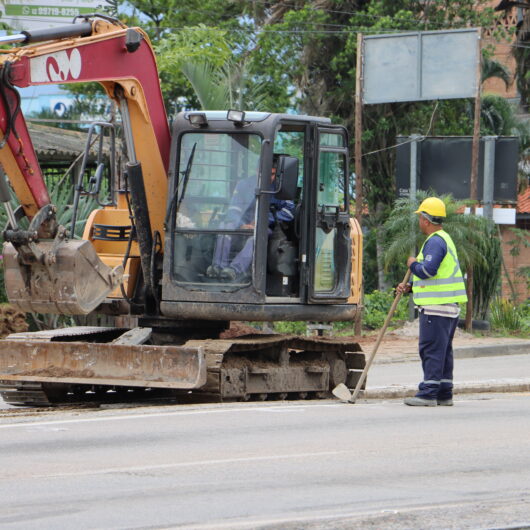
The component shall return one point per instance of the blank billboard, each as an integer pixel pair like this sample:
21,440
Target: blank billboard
419,66
444,165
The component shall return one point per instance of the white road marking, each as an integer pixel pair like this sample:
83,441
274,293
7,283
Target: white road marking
174,465
289,408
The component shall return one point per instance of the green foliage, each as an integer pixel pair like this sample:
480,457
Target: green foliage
525,312
505,316
61,197
295,328
369,260
198,43
499,118
492,68
486,272
207,39
377,305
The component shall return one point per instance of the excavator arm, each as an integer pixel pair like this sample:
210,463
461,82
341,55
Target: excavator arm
45,270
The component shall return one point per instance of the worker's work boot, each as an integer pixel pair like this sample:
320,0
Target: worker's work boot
419,402
445,402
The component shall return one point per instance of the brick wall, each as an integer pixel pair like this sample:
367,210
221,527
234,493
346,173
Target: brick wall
513,264
503,52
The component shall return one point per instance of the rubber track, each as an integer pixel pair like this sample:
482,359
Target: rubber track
27,393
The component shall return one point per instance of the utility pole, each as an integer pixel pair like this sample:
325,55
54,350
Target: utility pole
359,154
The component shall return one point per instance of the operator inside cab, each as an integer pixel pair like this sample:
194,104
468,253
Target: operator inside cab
228,267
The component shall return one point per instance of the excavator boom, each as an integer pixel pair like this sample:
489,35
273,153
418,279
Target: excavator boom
46,271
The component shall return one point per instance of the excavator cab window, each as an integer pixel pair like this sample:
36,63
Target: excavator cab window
330,244
215,209
283,275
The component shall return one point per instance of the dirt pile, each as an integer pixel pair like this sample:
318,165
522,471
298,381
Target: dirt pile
239,329
11,320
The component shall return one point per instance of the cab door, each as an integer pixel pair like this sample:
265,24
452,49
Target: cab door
329,245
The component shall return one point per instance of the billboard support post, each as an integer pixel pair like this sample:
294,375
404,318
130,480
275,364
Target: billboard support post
414,139
473,179
489,170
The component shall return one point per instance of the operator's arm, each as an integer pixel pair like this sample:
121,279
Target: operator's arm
240,213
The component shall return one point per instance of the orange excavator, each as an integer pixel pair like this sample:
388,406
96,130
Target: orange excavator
176,215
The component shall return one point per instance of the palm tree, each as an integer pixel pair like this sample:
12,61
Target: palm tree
475,239
227,87
492,68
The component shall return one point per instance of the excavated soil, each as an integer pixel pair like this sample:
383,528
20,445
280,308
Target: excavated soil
11,321
238,329
397,345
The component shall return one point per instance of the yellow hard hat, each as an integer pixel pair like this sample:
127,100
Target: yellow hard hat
433,206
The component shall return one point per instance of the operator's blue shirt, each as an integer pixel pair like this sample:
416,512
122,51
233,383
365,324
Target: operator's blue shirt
434,252
280,210
243,203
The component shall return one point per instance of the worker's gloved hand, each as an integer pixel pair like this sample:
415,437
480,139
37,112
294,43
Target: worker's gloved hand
403,288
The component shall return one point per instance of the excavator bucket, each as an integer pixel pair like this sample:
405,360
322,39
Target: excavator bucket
72,281
143,365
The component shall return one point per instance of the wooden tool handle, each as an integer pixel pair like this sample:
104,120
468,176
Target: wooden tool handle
362,379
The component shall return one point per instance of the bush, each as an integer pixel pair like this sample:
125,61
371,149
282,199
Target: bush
377,305
525,315
505,316
295,328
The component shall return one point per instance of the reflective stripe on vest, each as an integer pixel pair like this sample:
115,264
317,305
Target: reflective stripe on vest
447,286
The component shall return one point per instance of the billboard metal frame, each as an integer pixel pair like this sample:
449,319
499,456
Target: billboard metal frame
374,77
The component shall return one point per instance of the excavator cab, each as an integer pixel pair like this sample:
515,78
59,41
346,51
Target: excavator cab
229,253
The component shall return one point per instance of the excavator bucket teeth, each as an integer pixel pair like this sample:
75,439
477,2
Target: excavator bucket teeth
173,367
74,282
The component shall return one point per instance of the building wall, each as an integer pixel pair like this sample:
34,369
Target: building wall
513,265
503,53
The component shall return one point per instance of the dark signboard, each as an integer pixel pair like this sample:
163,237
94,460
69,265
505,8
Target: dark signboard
444,165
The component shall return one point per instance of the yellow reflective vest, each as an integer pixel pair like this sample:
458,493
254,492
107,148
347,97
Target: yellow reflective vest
447,286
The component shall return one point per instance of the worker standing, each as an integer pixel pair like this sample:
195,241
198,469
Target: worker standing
437,287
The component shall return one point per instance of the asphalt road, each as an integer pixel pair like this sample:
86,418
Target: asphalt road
272,465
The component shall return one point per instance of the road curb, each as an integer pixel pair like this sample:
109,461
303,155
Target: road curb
467,352
495,386
510,348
